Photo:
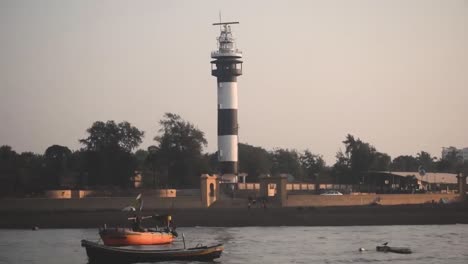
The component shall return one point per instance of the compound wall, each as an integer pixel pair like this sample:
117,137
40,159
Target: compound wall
365,199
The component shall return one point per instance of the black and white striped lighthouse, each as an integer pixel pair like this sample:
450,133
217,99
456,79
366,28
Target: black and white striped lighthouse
226,66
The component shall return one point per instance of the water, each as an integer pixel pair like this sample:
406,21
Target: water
430,244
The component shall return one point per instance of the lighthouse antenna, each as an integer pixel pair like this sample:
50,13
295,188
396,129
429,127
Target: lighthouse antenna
220,27
225,23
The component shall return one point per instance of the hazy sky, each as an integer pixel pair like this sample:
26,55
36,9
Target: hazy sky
393,73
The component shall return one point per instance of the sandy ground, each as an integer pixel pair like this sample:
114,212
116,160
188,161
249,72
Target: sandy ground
233,217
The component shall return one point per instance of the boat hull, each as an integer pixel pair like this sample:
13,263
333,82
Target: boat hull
400,250
105,254
127,237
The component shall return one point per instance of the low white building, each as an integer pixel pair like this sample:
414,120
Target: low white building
430,177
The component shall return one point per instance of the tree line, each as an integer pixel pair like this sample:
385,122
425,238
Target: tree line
110,157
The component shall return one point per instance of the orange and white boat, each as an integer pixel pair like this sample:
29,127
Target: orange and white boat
126,237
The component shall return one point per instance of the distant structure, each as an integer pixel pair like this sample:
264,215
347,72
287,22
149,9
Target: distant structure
461,153
226,66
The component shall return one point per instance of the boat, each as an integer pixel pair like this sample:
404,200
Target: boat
400,250
126,237
106,254
138,235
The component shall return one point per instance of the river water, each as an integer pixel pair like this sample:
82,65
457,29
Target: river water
430,244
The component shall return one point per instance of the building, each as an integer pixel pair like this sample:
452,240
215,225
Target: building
461,153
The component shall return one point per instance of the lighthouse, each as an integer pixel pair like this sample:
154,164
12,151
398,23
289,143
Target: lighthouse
226,66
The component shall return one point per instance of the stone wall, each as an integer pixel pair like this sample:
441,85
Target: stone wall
365,199
95,203
67,194
165,193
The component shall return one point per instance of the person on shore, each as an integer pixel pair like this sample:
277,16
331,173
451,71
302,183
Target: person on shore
249,203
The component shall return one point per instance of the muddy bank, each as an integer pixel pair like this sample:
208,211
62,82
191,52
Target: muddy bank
234,217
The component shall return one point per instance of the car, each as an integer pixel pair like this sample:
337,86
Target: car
331,193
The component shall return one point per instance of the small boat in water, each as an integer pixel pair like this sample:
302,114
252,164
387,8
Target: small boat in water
126,237
400,250
105,254
138,235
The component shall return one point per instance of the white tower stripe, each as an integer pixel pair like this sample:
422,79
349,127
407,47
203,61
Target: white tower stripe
227,95
227,146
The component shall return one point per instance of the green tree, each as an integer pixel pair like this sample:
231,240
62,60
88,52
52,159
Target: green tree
32,172
108,156
404,163
381,162
155,166
341,170
312,164
426,161
254,161
57,162
77,164
21,173
141,156
180,146
452,163
464,168
112,136
8,158
361,157
9,175
358,160
287,162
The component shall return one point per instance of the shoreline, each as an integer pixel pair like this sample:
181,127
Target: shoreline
241,217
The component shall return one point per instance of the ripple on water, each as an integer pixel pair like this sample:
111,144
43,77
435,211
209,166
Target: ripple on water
430,244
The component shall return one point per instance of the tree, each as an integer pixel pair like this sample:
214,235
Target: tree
342,168
32,172
112,136
180,146
154,164
108,155
77,164
426,161
361,157
286,161
404,163
358,160
464,168
312,164
141,156
8,170
254,161
8,159
450,163
57,159
21,172
381,162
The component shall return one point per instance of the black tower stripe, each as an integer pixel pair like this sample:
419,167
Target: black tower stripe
227,122
228,167
227,78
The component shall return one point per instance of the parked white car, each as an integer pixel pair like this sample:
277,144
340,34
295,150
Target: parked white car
331,193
